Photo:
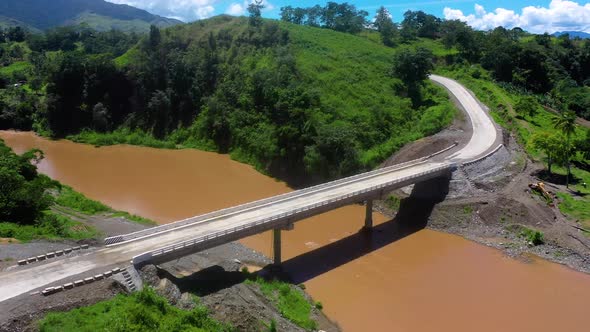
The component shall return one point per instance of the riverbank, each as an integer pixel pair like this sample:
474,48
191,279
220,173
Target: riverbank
492,204
388,275
224,279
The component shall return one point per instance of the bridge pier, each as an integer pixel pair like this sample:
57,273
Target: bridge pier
369,215
276,237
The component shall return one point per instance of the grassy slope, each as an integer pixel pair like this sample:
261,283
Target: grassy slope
146,310
289,301
54,226
105,23
19,66
141,311
496,97
352,76
7,22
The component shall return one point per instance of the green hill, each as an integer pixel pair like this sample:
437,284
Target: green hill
297,102
99,14
289,99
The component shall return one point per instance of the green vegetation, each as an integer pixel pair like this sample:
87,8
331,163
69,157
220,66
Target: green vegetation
536,132
26,196
49,226
532,236
121,136
23,196
141,311
468,210
76,201
578,208
393,202
286,98
315,96
134,218
19,67
289,300
24,201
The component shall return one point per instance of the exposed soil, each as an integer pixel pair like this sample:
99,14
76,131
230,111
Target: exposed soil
215,276
490,202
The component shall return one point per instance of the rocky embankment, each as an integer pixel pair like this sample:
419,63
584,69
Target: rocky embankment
490,202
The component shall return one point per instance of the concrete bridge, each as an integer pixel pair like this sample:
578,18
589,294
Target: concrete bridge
167,242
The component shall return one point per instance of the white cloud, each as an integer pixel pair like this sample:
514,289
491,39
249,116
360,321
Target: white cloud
239,9
560,16
236,9
186,10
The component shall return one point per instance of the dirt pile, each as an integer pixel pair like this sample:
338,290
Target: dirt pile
221,286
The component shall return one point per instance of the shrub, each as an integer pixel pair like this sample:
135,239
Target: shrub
319,305
532,236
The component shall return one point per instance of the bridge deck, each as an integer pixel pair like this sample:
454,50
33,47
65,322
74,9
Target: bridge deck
192,234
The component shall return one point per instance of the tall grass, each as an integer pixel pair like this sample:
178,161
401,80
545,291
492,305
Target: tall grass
289,300
72,199
141,311
50,226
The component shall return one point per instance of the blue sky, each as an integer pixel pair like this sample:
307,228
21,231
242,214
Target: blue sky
532,15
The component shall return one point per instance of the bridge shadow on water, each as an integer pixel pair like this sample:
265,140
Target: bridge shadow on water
412,216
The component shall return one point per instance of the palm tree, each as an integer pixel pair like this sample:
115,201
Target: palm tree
566,122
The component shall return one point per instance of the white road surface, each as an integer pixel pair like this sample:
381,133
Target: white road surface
52,273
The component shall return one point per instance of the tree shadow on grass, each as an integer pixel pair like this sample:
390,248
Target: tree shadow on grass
554,178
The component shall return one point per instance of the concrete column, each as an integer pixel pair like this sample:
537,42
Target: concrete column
277,246
369,215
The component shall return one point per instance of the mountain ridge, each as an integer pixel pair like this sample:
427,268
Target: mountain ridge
573,34
105,15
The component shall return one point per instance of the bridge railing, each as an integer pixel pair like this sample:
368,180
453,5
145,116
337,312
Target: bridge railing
268,222
258,203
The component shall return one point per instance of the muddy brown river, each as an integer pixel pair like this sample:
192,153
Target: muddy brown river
426,281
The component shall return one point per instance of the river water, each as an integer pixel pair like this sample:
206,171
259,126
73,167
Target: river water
426,281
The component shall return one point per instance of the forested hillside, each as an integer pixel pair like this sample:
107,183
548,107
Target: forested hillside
288,99
98,14
317,95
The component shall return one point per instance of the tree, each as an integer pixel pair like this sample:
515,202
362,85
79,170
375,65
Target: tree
583,145
255,10
420,24
314,15
23,196
553,145
343,17
385,26
526,106
100,117
155,37
287,14
566,122
413,68
16,34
